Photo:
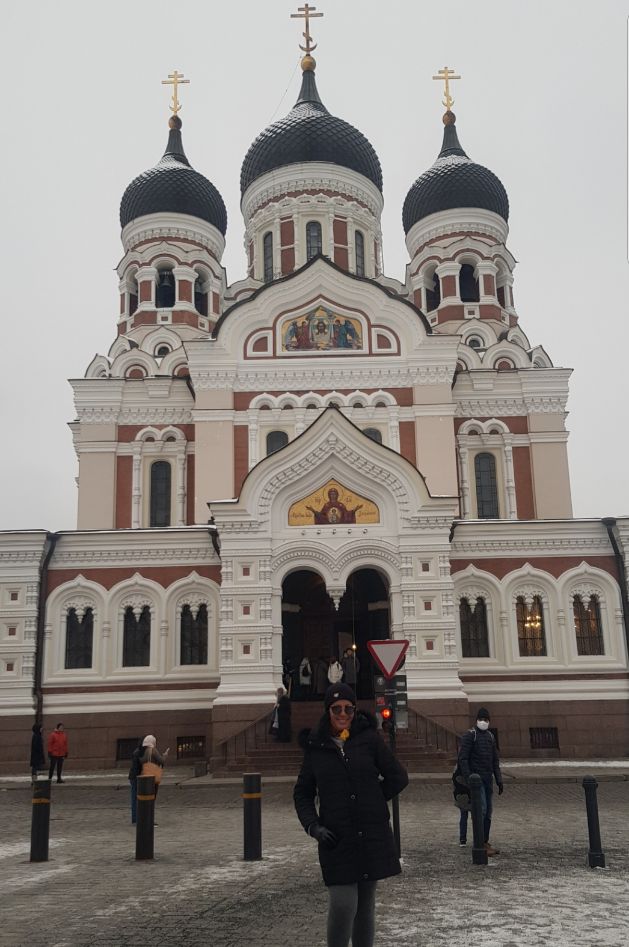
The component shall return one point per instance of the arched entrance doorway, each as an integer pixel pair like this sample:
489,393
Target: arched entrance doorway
314,629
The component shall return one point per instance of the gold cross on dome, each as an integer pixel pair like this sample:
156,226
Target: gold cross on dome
306,13
444,75
175,79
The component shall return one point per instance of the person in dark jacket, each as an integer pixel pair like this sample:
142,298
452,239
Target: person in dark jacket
478,754
134,771
353,773
38,759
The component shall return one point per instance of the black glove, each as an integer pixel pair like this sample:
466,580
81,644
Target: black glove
501,789
323,836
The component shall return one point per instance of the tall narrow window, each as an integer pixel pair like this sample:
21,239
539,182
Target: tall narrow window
374,434
275,440
486,487
474,631
194,635
79,639
588,627
433,294
165,290
267,253
160,493
200,297
468,284
314,243
360,254
136,641
531,634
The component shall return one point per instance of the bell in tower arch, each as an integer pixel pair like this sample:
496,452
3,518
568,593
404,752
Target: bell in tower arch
165,295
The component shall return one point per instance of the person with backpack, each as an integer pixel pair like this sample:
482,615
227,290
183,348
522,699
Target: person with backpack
478,754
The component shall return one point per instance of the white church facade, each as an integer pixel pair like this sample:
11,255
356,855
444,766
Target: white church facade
316,455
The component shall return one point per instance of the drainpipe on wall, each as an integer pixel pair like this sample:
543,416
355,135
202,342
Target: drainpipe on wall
49,548
609,523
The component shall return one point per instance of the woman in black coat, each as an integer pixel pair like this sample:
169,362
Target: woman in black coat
347,765
38,760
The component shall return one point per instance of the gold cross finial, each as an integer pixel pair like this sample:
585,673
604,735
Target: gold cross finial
444,75
175,79
306,13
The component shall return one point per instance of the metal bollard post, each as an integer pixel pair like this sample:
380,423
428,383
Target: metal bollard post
40,821
146,818
596,858
252,815
479,855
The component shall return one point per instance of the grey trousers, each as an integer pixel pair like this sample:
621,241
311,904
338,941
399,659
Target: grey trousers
351,913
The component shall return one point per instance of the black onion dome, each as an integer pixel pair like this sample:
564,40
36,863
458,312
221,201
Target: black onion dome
453,181
173,186
310,133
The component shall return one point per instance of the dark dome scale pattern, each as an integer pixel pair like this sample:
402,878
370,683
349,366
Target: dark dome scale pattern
173,186
454,181
310,133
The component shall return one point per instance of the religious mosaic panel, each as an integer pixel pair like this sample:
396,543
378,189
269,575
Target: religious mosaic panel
321,330
331,505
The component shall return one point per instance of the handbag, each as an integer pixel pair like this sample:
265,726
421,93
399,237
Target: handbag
152,769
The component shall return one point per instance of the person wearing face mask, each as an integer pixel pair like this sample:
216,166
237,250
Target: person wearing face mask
351,771
478,754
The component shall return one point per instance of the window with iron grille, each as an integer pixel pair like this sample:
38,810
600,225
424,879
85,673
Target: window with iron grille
125,747
275,440
79,638
267,254
486,486
474,631
136,639
194,635
544,738
314,241
160,493
360,253
587,623
190,748
374,434
531,633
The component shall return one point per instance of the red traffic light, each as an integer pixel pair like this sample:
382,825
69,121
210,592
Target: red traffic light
386,713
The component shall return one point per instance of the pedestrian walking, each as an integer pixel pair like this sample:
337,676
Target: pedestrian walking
134,771
335,671
38,759
478,753
57,751
280,719
351,772
152,761
351,667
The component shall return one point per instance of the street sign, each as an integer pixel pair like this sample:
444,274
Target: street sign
388,654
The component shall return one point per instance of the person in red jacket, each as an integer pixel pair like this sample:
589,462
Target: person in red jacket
57,751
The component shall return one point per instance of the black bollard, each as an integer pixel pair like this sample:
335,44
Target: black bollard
479,854
40,821
596,858
145,818
252,816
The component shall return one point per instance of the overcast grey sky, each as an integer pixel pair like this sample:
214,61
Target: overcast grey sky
542,102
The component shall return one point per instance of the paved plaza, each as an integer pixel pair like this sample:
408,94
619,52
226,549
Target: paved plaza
198,892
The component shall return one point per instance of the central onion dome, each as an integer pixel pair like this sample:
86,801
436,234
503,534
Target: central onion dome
310,133
453,181
173,187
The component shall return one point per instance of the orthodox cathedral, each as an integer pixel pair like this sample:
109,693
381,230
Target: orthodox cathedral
314,456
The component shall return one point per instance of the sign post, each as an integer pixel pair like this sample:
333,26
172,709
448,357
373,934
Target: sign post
389,655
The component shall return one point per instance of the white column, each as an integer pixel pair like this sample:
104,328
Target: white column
181,485
463,455
485,268
136,486
298,242
512,512
253,439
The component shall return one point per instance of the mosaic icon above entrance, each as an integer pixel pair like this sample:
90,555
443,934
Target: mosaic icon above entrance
321,330
331,505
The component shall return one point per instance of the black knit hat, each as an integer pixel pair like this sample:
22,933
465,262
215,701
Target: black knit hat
483,714
339,692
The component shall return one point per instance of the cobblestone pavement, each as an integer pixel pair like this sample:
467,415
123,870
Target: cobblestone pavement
198,891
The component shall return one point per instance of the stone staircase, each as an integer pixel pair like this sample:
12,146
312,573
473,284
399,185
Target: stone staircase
425,746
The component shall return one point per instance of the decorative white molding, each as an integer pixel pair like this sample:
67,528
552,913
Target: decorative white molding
304,377
172,226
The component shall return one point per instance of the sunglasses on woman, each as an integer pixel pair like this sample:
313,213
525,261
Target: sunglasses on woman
347,709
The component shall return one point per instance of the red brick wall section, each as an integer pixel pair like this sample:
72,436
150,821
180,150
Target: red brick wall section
287,255
489,288
554,565
261,344
185,290
287,233
448,286
190,494
163,575
124,475
339,229
216,303
341,257
146,291
407,441
524,496
241,455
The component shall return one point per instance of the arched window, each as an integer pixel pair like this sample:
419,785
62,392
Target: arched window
433,294
133,295
200,297
468,284
360,253
165,290
79,639
474,342
374,434
194,635
531,634
160,493
275,440
136,640
588,627
162,351
486,486
314,243
267,253
474,631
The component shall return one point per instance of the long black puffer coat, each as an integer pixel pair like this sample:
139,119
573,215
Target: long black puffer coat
353,786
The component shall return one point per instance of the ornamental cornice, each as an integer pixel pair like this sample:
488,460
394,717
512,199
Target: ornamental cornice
32,558
173,226
444,223
141,414
313,555
373,552
321,376
510,407
297,178
86,558
268,211
529,546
